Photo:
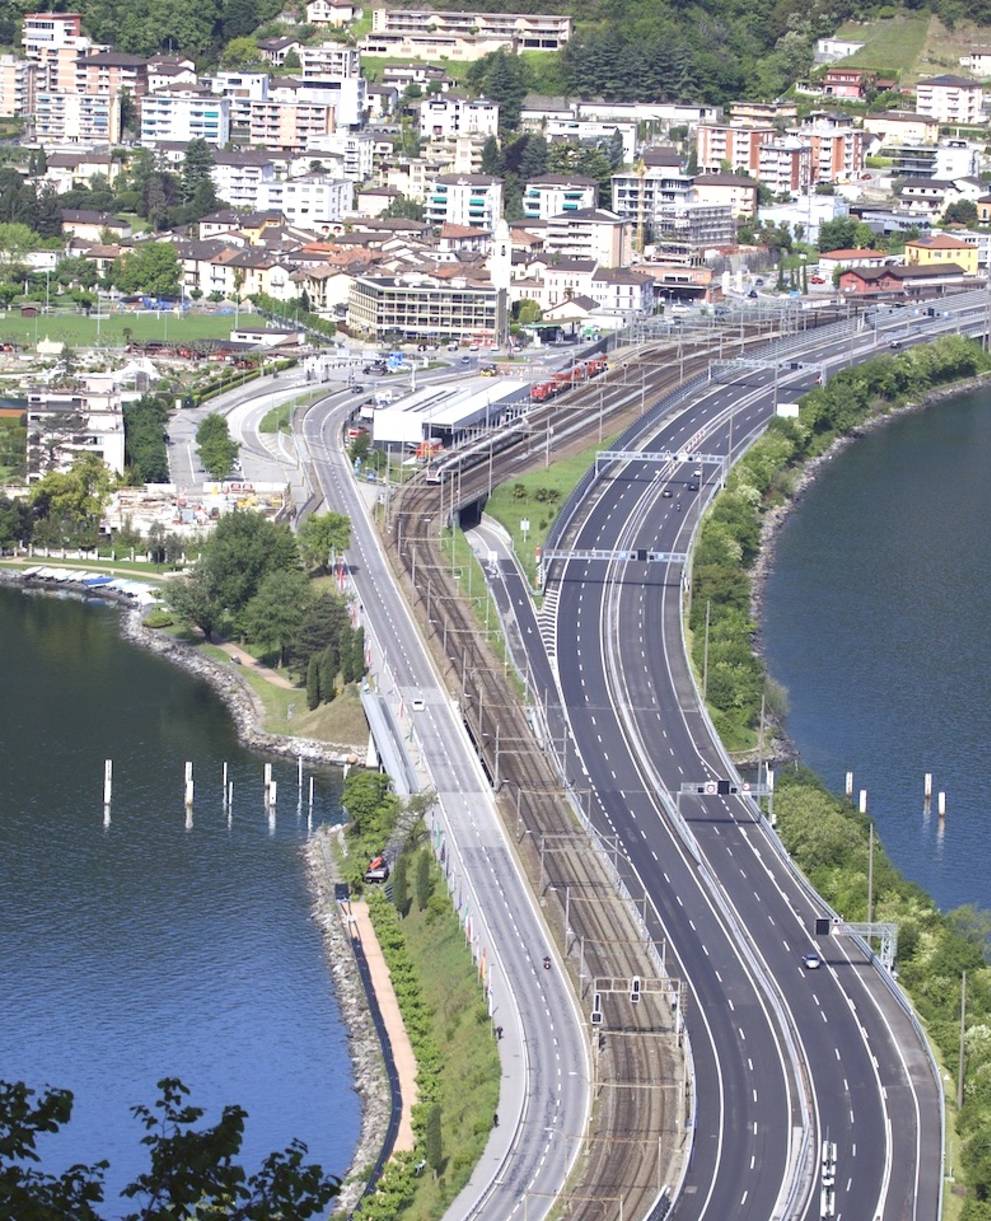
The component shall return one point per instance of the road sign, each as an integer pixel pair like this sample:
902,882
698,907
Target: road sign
710,788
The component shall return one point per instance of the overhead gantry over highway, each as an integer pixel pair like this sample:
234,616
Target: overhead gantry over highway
782,1060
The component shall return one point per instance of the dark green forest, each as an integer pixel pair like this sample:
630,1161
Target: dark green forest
622,50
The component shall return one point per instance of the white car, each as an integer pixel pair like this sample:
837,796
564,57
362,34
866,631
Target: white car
811,961
418,703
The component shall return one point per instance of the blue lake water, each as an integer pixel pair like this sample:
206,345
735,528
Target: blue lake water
876,620
149,949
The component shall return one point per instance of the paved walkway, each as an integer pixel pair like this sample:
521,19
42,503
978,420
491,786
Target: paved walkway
271,676
402,1051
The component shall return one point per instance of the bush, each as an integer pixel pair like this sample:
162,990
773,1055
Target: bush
158,617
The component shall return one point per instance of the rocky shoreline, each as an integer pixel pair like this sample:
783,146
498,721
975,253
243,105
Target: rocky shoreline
370,1080
244,706
781,747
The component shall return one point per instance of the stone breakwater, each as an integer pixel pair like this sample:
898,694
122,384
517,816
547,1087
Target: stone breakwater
244,706
371,1082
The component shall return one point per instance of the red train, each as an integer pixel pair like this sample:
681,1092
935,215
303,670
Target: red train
565,379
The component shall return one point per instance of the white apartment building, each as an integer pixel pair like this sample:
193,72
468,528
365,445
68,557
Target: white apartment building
329,59
592,233
238,176
16,86
418,306
625,293
553,194
181,114
520,31
346,95
566,127
309,201
733,191
452,114
785,166
978,62
950,99
331,12
458,155
661,190
76,118
474,200
355,148
62,424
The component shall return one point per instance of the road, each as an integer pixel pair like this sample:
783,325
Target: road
633,711
545,1074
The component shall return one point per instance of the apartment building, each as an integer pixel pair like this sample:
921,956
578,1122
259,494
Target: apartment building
474,200
950,99
76,118
684,230
182,113
237,176
110,73
659,191
837,153
939,250
591,233
51,41
763,114
331,12
328,59
167,70
309,201
902,127
453,114
16,86
62,424
417,306
622,292
733,191
516,31
356,150
289,126
785,166
718,145
346,95
567,127
554,194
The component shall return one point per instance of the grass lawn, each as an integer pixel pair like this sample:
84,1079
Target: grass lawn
892,44
278,418
99,563
469,1074
80,331
373,66
473,588
509,507
341,723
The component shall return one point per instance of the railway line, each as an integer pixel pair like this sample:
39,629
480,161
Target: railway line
643,1099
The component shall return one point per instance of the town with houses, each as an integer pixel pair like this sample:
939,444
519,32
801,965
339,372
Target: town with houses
366,196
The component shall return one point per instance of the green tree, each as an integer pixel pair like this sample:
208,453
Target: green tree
528,311
241,54
320,535
195,597
329,666
400,884
73,500
244,548
365,796
403,208
197,162
424,880
433,1148
313,683
276,612
16,240
505,78
291,62
325,624
151,268
215,447
491,157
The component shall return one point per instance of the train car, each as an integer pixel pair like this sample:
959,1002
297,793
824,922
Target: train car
540,392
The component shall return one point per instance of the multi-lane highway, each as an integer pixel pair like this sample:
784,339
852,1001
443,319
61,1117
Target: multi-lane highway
732,907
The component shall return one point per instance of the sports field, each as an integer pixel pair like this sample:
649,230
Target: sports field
81,332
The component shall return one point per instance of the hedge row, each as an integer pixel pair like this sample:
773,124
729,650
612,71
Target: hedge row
826,836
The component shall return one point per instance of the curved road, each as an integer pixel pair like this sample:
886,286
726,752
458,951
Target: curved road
724,894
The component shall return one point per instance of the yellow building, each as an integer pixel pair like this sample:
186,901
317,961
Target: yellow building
940,249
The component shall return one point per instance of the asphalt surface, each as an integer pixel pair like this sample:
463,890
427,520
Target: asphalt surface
544,1092
725,896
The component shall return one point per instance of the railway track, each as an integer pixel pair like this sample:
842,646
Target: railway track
633,1153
